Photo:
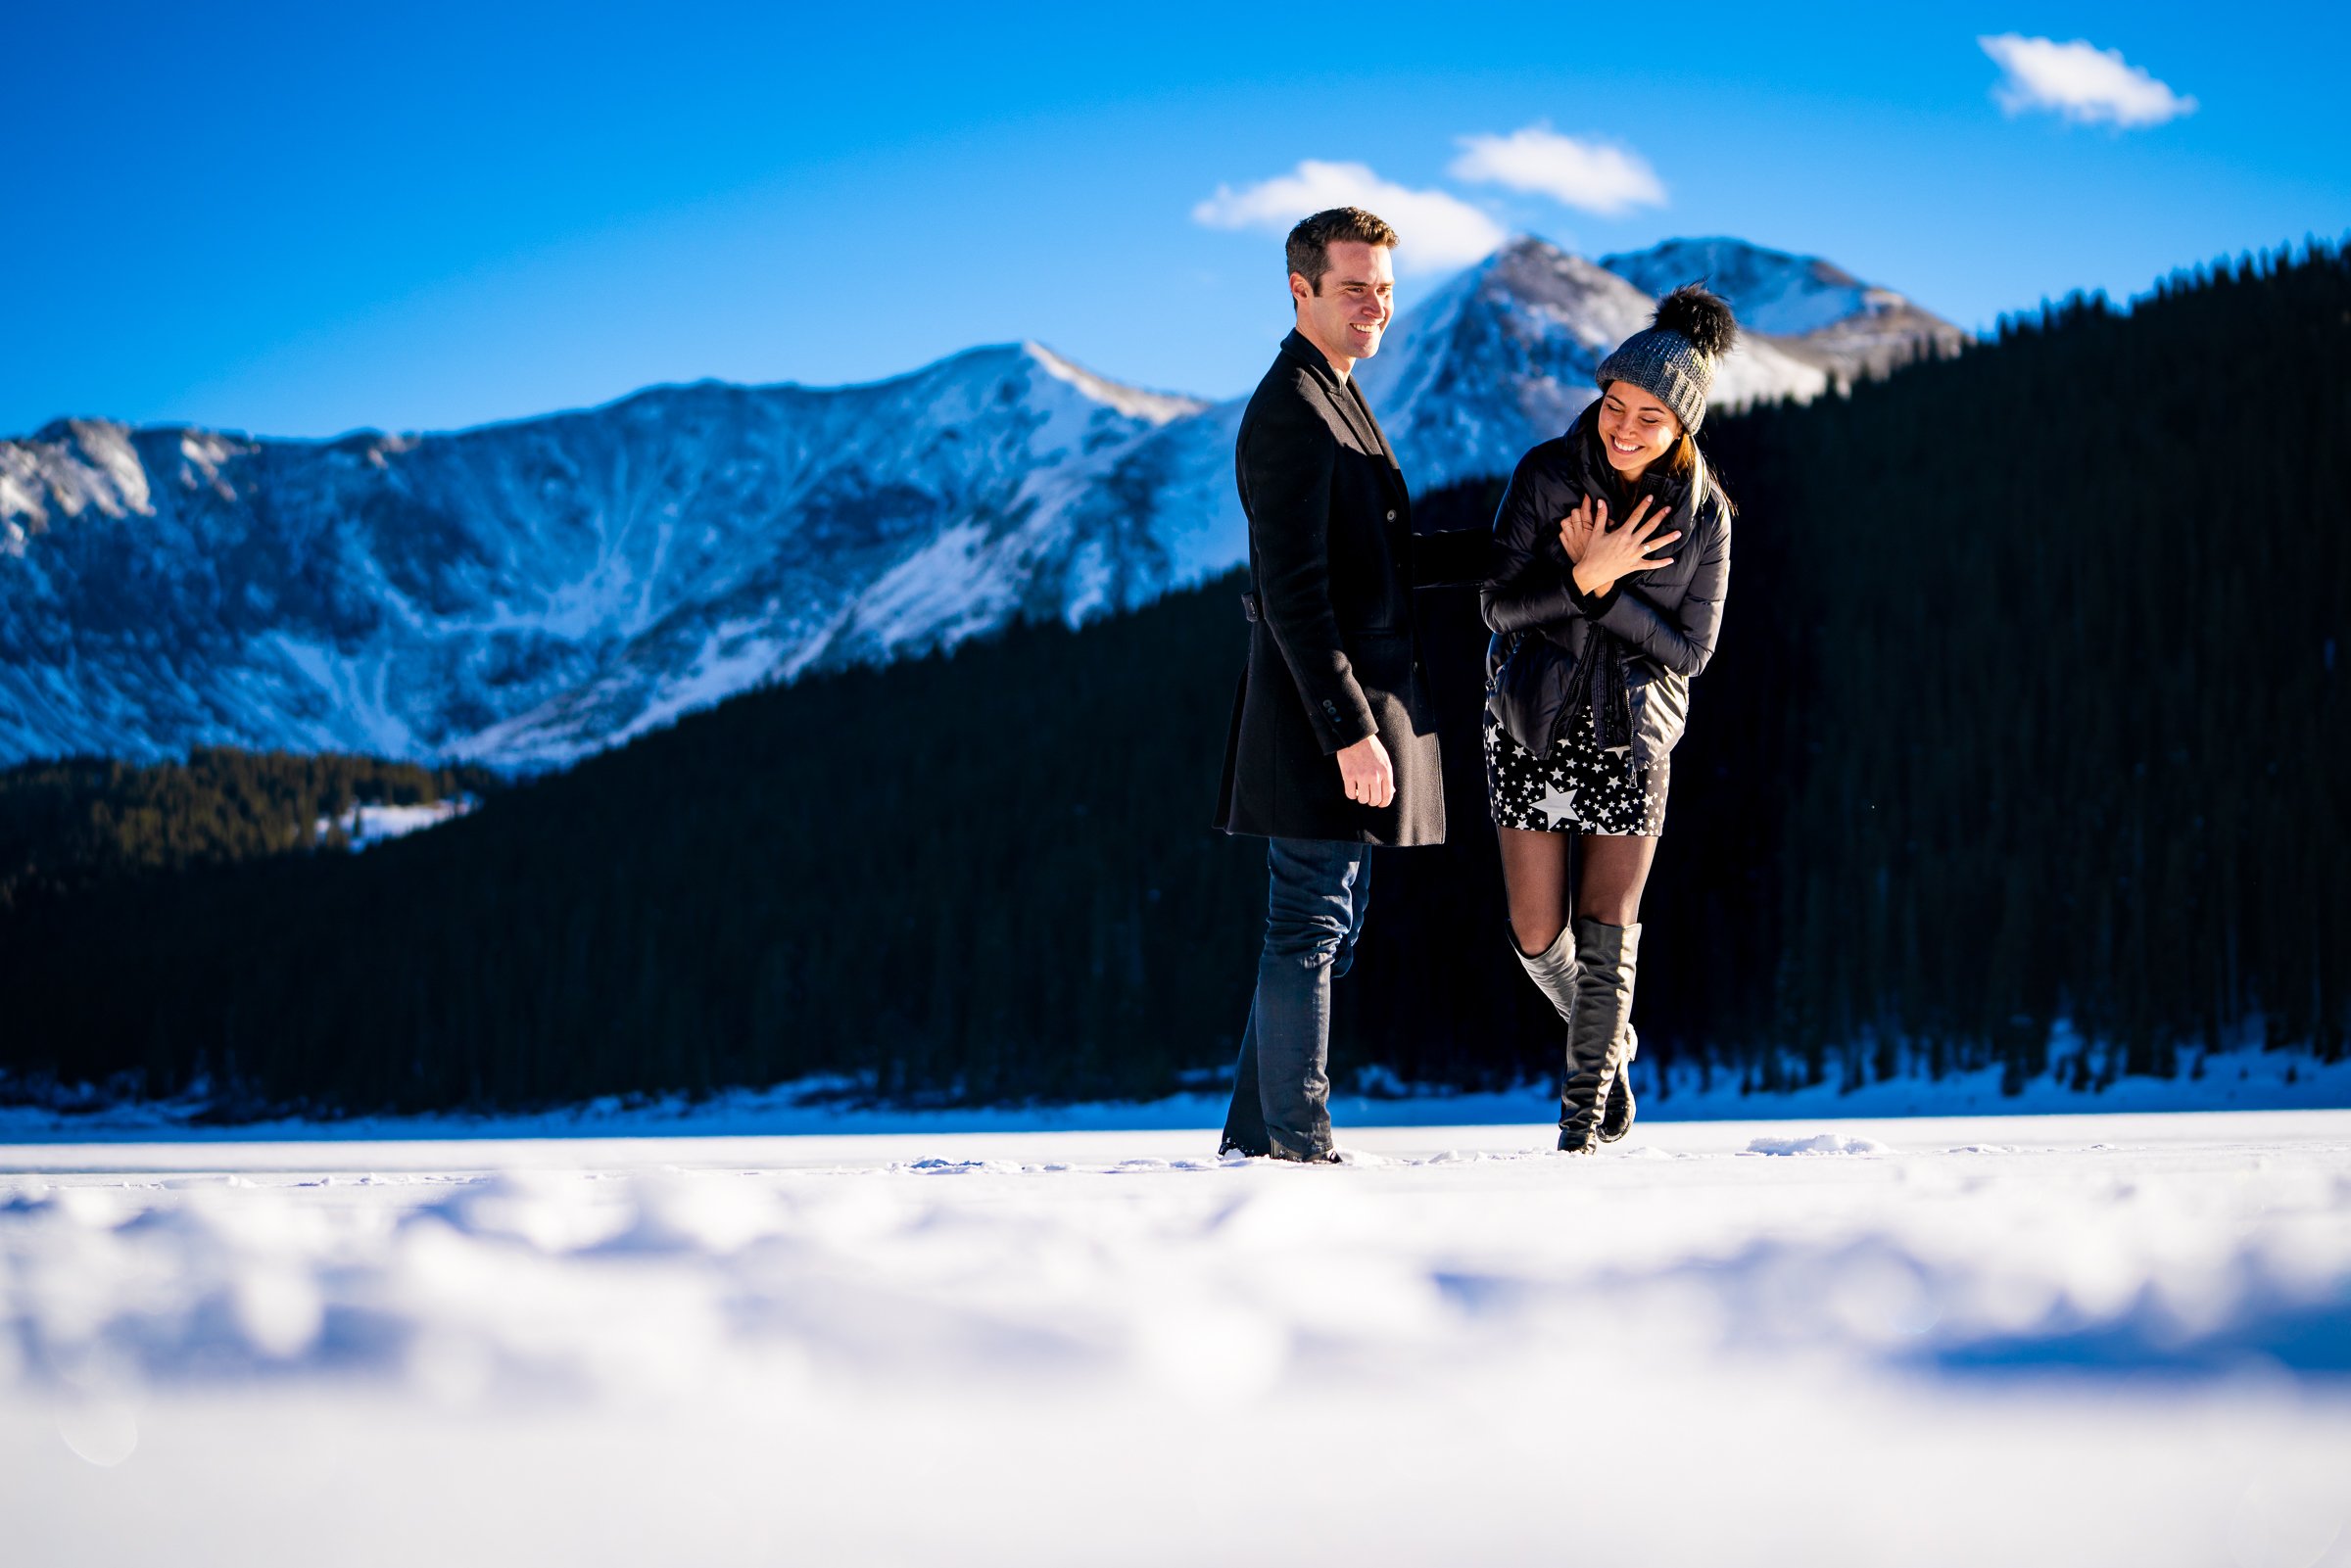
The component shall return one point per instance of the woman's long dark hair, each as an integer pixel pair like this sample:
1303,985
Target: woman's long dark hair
1682,461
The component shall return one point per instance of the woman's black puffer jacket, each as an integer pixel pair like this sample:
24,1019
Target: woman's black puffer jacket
1650,633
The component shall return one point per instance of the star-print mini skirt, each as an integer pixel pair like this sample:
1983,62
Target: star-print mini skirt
1577,787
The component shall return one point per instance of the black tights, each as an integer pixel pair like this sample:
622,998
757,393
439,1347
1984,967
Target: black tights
1534,873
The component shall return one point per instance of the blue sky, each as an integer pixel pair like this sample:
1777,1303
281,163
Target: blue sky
301,220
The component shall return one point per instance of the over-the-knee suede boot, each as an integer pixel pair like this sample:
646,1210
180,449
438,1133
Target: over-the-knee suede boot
1554,973
1605,956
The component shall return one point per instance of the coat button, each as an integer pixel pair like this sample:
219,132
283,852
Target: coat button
1391,514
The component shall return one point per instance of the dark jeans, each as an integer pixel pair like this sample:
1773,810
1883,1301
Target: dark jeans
1315,899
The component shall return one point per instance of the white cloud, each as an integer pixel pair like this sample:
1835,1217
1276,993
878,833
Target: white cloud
1436,230
1591,176
2080,81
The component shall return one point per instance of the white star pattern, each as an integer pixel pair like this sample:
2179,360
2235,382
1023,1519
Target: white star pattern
1577,789
1557,806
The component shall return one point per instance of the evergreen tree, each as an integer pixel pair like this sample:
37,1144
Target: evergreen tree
2028,707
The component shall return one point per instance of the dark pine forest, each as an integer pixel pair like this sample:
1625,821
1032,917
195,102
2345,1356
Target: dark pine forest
2028,708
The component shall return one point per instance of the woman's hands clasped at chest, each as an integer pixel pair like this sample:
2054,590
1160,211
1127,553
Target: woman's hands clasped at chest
1601,555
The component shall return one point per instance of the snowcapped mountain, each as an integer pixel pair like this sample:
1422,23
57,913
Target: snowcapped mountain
1502,356
1826,315
523,593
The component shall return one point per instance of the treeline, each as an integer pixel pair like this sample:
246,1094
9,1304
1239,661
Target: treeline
2059,622
2026,707
68,825
982,876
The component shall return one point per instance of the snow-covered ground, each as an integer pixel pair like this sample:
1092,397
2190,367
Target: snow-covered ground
2244,1078
2066,1340
367,824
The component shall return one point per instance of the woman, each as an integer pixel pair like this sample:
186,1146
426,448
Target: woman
1597,636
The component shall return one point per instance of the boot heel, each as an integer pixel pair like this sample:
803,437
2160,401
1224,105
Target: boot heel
1616,1116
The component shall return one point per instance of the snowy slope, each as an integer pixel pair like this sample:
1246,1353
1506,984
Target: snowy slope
526,593
1787,296
1827,316
1502,356
2024,1341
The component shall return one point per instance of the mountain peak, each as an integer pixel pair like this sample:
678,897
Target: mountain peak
1775,292
529,590
1504,357
1153,407
1819,312
1521,244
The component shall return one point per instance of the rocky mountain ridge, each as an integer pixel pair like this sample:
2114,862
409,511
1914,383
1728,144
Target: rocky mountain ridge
526,593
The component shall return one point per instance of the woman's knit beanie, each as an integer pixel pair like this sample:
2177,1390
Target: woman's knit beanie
1673,361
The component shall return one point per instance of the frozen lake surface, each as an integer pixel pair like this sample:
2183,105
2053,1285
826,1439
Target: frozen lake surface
2064,1339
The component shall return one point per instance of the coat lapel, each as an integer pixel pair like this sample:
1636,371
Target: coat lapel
1341,393
1392,471
1348,401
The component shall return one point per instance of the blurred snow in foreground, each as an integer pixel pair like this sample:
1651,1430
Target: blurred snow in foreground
2021,1340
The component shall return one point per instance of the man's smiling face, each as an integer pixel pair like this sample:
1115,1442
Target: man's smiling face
1347,315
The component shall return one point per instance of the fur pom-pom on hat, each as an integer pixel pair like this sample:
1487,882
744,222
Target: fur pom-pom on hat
1702,318
1674,359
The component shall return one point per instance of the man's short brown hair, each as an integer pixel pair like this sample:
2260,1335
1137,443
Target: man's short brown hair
1310,243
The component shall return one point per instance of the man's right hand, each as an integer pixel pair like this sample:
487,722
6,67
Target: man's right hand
1367,772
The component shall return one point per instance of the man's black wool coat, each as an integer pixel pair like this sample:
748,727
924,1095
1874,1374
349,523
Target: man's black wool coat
1334,653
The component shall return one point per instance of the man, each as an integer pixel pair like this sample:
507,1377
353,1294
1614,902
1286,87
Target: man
1334,747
